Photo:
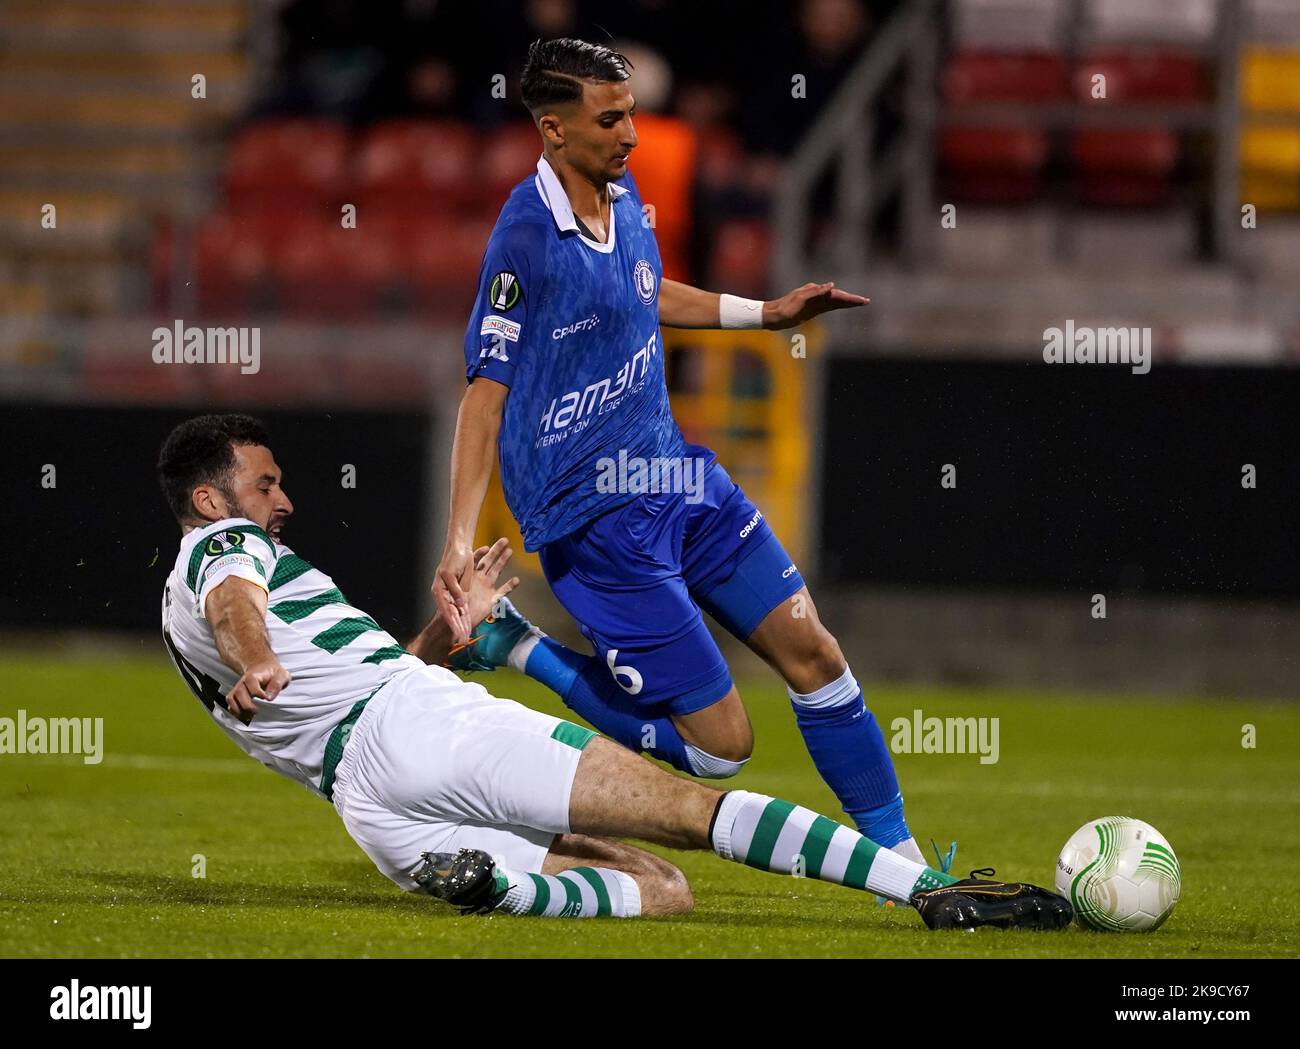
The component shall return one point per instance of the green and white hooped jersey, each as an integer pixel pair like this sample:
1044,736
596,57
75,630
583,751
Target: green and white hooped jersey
336,654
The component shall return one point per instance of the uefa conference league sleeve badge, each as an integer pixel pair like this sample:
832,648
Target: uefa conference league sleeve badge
503,292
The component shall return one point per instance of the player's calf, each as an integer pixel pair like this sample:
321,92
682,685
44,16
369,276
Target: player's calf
618,794
663,887
843,737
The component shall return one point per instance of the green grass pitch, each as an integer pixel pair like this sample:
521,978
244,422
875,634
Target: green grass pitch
97,861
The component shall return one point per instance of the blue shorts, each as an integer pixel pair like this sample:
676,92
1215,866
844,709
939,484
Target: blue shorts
636,579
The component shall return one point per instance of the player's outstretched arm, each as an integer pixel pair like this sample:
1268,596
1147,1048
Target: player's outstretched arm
474,451
236,611
683,306
434,643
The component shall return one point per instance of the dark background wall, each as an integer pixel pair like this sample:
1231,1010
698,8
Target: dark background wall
1068,477
94,551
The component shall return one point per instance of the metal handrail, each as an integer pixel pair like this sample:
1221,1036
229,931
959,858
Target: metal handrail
843,135
847,114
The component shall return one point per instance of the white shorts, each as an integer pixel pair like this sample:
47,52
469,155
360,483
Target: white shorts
436,764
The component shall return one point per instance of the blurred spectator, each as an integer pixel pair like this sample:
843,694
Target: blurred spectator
332,51
664,161
825,41
497,47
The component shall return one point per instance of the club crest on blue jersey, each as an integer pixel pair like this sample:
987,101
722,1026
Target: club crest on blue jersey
644,276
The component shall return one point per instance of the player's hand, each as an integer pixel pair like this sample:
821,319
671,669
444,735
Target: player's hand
483,591
450,583
807,302
264,680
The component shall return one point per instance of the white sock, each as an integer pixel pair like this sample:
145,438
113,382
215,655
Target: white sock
833,694
581,892
910,850
776,836
518,658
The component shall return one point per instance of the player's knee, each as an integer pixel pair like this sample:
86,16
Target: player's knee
821,660
665,890
719,739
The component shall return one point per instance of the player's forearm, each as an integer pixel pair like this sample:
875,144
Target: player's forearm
238,623
683,306
433,643
472,456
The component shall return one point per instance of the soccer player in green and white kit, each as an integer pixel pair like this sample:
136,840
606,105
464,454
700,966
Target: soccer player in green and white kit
476,800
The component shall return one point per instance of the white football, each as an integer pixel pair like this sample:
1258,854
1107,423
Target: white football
1119,874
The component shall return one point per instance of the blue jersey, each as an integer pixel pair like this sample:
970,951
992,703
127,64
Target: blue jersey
572,327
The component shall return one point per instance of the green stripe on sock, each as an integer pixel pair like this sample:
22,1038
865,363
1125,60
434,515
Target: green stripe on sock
541,895
759,853
816,844
597,883
572,735
344,632
292,611
864,852
572,897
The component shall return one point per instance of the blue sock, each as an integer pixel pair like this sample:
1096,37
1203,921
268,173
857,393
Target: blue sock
850,753
585,685
885,824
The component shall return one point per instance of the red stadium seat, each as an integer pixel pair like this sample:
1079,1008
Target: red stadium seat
233,261
986,76
742,250
326,271
1000,164
993,165
446,254
509,155
299,165
418,165
1132,167
1124,168
1142,76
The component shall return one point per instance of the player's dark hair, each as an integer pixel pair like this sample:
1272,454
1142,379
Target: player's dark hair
202,451
555,69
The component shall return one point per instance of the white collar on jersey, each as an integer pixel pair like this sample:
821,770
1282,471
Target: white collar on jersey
554,197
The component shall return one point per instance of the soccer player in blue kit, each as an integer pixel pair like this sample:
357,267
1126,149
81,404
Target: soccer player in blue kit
565,374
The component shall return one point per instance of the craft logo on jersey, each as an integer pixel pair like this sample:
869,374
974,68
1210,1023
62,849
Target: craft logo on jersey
644,276
503,292
224,541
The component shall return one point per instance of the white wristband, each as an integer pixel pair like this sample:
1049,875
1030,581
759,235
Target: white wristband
735,312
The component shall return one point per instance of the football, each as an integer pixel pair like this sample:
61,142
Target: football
1119,874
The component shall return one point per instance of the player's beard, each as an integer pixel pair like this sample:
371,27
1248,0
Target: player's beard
232,504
